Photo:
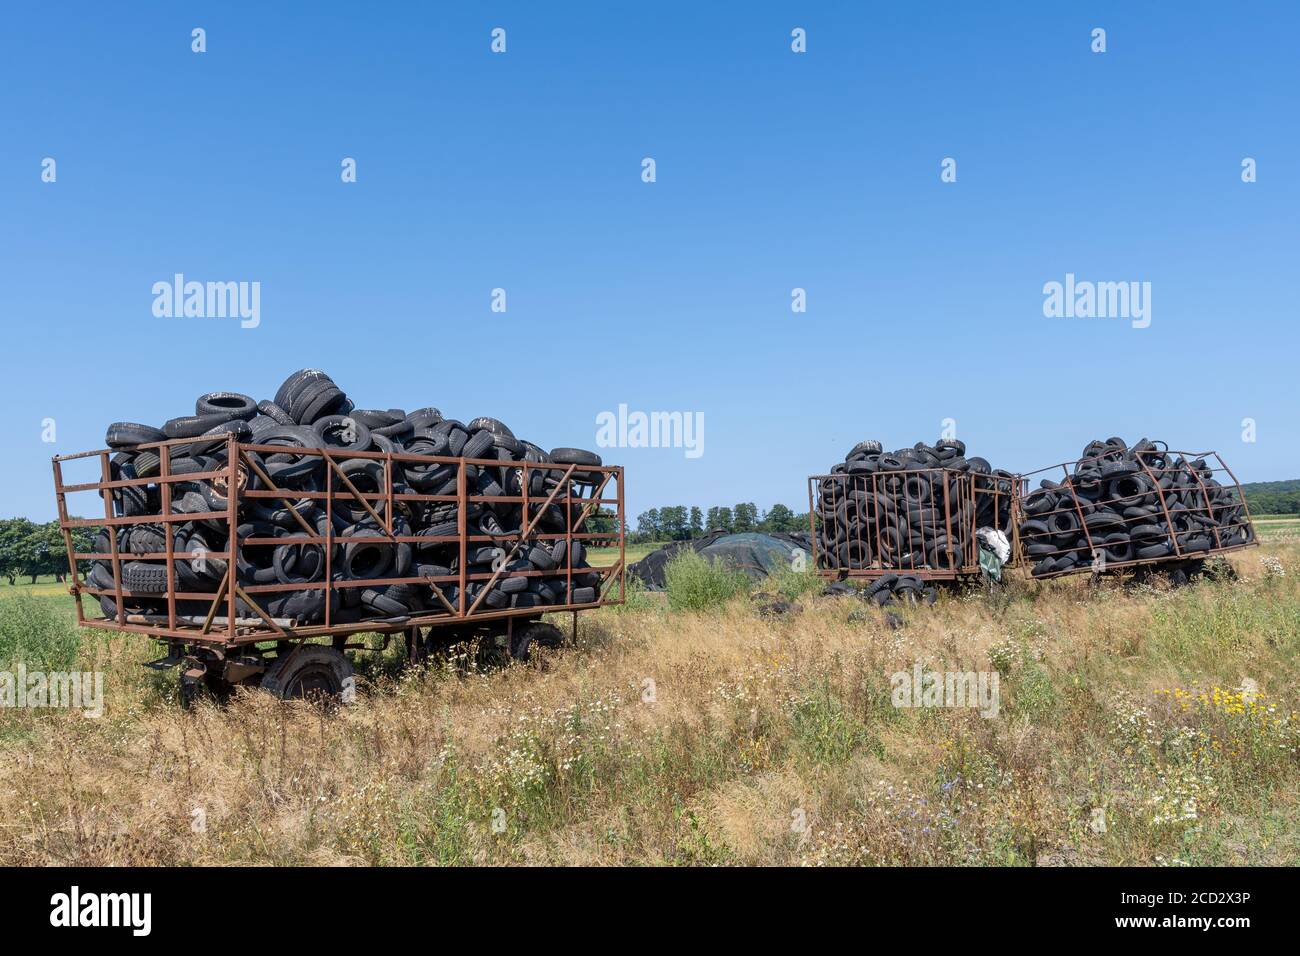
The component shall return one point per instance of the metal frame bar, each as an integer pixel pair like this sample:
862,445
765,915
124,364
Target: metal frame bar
1162,517
242,461
958,490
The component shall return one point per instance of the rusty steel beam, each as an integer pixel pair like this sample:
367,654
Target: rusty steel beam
236,632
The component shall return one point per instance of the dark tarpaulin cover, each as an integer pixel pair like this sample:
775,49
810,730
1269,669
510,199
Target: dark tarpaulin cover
755,553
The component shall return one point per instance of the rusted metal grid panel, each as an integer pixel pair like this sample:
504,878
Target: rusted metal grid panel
579,492
1105,513
914,521
112,491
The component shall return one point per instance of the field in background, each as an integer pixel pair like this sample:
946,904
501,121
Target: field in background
604,557
1277,526
712,736
45,586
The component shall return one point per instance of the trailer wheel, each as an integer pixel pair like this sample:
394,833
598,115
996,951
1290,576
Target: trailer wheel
192,689
493,652
209,687
312,672
537,634
490,651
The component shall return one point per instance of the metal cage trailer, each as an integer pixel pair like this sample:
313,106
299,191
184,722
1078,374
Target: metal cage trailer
1145,508
275,598
922,522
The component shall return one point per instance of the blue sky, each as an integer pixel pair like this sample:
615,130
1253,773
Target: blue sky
775,170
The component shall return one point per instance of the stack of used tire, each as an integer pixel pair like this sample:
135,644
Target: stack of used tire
311,411
1119,505
910,509
888,590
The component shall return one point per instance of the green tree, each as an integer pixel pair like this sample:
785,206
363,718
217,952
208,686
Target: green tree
697,522
647,526
600,521
746,517
50,552
720,519
780,518
83,540
673,522
1273,497
30,550
18,547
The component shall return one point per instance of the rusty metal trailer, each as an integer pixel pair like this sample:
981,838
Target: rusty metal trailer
1144,509
921,522
225,636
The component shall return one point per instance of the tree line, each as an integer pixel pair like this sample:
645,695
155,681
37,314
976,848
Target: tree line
1273,497
680,522
29,550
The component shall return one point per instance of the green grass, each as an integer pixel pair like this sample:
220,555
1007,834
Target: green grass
695,583
45,584
1108,703
791,584
636,596
46,591
604,557
825,729
36,632
1276,526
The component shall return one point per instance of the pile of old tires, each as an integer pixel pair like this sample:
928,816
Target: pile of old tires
888,590
911,509
311,411
1121,504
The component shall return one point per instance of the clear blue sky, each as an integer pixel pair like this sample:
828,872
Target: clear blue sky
775,170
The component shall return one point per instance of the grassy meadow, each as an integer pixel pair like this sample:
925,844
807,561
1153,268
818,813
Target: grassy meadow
693,728
1277,527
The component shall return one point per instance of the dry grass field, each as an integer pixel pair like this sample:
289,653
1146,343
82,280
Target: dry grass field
716,736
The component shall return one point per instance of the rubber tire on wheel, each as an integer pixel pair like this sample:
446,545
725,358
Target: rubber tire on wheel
537,634
312,672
